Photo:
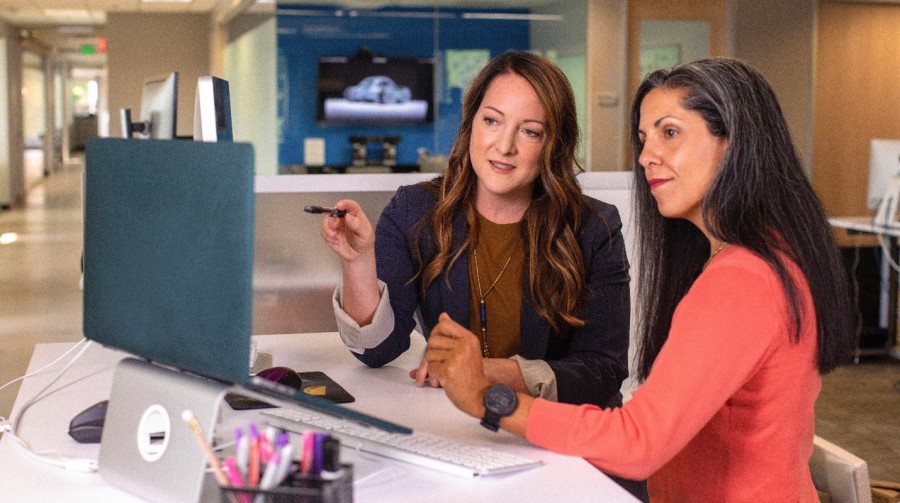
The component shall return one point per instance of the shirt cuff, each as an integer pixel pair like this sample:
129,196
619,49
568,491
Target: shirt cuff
539,378
356,338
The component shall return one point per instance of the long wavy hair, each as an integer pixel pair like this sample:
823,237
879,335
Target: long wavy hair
760,199
550,226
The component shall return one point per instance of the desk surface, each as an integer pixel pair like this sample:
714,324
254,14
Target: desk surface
387,392
863,224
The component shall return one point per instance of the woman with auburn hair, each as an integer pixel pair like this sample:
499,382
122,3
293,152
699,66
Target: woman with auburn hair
504,242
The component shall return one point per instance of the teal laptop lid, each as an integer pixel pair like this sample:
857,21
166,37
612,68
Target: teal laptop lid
168,252
168,259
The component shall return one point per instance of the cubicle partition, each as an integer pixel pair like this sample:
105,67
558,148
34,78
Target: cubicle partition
295,272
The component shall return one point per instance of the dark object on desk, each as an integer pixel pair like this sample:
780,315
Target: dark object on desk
312,383
282,375
318,384
87,426
299,487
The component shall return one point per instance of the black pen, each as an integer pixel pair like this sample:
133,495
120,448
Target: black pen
320,209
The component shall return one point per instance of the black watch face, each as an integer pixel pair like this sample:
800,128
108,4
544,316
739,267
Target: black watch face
500,400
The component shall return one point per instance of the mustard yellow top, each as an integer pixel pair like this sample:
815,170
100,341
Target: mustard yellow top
496,244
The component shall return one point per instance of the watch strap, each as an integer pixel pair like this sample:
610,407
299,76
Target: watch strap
491,421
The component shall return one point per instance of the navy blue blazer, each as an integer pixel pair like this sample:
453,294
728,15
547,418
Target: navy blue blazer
590,362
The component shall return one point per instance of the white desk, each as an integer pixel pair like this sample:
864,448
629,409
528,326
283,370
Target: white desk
387,392
863,224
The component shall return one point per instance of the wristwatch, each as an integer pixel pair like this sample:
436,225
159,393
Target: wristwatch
499,401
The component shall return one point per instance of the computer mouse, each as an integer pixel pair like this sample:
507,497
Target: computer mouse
282,375
87,426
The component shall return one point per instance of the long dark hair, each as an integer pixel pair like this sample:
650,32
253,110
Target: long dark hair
759,199
552,222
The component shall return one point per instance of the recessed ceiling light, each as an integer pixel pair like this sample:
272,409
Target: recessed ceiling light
68,13
502,16
75,30
166,1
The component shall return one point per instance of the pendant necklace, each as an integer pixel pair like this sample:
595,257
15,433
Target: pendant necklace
720,248
481,307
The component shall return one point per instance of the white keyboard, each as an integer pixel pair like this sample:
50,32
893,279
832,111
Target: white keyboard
420,448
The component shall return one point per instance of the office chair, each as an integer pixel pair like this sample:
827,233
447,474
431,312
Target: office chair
840,475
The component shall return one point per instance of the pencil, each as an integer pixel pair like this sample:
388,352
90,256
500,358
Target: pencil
211,458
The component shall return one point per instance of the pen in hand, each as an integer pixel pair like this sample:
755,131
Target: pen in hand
334,212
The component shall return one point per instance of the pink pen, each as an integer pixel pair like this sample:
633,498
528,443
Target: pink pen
234,476
306,463
265,449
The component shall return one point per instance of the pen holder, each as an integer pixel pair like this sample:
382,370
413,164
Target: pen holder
300,488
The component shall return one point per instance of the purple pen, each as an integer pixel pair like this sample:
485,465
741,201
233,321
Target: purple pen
285,461
269,478
241,450
318,452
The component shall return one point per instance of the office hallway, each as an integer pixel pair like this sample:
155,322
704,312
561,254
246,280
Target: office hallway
40,271
40,301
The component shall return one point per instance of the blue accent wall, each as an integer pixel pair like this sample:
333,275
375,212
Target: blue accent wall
307,33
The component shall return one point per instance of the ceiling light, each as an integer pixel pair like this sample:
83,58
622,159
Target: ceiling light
75,30
511,17
8,238
68,13
166,1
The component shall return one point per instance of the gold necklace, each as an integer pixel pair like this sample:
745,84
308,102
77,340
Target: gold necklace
720,248
482,309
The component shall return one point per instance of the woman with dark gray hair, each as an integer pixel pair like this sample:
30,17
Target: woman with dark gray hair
743,305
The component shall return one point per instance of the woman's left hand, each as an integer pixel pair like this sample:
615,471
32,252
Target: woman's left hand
421,376
454,360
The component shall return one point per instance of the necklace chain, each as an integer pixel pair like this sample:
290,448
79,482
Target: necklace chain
716,252
481,296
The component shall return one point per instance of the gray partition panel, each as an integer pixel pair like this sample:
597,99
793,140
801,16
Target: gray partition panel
295,272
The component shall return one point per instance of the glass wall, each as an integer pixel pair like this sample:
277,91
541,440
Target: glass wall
455,41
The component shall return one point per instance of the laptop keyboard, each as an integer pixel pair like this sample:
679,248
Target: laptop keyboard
419,448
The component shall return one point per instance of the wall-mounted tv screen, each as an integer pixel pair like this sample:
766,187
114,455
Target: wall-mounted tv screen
370,90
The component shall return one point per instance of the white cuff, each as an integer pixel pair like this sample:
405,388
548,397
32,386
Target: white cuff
357,338
539,378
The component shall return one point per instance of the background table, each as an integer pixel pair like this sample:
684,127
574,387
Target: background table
889,277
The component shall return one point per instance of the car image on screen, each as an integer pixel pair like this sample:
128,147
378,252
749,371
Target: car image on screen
378,89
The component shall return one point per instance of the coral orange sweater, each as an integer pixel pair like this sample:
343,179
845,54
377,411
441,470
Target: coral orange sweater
727,411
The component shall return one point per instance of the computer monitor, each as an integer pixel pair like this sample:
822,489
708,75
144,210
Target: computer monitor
884,164
159,106
212,110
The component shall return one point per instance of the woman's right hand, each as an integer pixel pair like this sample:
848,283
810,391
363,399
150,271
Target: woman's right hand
350,236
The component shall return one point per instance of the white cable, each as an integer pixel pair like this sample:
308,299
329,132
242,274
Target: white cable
38,371
886,251
53,457
854,283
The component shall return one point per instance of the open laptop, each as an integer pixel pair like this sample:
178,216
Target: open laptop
168,261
